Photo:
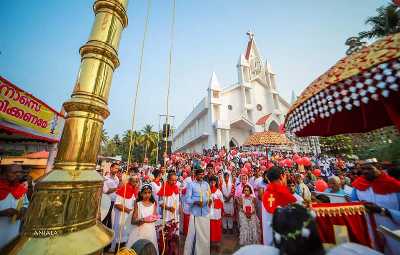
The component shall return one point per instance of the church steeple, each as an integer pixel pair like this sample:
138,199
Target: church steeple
214,83
253,57
250,64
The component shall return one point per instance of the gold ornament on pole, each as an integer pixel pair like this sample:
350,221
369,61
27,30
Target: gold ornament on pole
62,216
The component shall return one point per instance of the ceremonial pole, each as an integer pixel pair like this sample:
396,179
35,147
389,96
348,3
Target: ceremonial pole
62,216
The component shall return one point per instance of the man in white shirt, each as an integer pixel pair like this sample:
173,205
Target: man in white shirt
13,203
110,185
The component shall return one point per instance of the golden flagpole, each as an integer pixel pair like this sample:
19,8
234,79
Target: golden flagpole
62,216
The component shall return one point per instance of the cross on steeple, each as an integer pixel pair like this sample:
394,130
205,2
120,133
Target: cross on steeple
250,34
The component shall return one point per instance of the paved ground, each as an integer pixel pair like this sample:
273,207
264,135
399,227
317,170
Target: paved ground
228,245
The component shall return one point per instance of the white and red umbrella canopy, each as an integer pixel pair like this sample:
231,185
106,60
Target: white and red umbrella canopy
358,94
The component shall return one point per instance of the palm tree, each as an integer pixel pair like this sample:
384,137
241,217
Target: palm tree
104,136
125,144
386,22
103,140
149,139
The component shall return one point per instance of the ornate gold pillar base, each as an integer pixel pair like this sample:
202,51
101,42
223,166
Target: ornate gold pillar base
62,218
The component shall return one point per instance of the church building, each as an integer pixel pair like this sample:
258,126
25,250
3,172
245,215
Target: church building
227,116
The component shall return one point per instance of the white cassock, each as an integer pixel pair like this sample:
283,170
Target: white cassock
170,201
389,201
155,189
216,214
120,220
8,229
266,226
227,222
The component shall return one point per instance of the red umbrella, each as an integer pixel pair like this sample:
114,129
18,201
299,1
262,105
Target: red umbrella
287,162
306,161
358,94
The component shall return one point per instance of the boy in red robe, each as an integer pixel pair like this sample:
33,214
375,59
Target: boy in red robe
216,211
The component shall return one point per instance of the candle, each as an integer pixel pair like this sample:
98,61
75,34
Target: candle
208,195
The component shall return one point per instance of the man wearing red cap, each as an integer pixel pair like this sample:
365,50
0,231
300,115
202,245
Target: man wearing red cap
276,194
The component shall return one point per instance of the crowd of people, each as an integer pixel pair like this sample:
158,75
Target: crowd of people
264,198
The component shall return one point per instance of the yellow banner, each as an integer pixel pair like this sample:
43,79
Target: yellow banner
24,113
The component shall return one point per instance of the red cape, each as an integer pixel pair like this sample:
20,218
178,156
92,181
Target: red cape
127,191
384,184
167,190
276,195
17,190
217,202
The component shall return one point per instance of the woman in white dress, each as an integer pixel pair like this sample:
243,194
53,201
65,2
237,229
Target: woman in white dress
144,218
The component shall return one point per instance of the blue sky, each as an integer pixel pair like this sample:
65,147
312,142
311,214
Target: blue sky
39,45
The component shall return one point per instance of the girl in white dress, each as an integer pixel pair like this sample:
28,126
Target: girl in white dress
144,218
249,224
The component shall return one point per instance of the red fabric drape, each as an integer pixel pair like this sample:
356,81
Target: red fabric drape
186,218
215,230
356,224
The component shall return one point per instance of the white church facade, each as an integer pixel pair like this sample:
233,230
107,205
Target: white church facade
227,116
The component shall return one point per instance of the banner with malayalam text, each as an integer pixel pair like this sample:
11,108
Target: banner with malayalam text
22,113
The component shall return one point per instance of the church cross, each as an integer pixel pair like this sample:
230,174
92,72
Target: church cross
271,199
250,34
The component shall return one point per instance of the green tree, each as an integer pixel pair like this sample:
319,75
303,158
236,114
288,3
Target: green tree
149,139
103,141
336,145
112,147
136,148
104,136
386,22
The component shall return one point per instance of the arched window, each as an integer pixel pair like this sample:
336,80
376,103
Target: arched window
230,107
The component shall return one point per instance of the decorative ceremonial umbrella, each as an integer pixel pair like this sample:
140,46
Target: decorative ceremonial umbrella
267,138
358,94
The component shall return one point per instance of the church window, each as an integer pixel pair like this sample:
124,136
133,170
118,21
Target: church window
259,107
230,107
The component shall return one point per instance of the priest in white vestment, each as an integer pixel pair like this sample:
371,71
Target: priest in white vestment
382,194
